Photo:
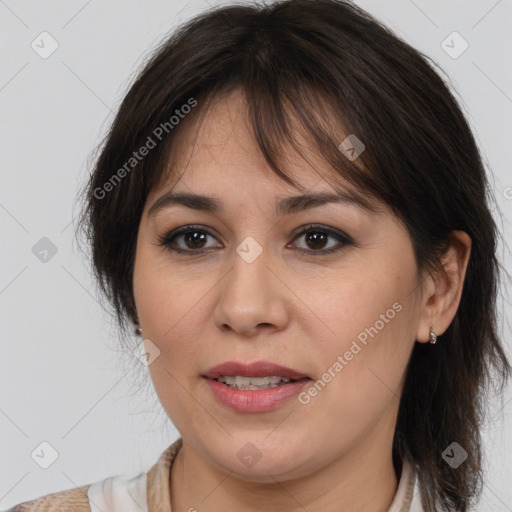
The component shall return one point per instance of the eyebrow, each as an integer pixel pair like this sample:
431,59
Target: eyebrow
285,206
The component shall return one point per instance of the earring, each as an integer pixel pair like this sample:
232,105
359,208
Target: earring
432,335
138,330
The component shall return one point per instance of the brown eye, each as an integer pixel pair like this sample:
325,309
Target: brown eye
194,239
186,239
316,239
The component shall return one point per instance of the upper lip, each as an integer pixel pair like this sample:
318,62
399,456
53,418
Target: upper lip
256,369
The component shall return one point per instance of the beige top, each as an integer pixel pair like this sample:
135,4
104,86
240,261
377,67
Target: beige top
149,492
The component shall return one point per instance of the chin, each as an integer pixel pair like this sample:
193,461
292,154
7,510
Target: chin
262,460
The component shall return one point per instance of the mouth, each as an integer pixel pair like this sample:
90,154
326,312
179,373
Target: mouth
261,386
255,383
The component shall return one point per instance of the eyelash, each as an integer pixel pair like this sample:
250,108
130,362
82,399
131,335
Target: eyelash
167,239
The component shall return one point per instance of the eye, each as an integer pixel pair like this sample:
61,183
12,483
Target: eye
317,237
194,240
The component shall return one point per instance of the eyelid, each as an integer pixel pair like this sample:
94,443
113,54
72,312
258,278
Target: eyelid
170,236
342,238
320,227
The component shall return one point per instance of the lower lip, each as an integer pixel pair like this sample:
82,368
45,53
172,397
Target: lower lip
259,400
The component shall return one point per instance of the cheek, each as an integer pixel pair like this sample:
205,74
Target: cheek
170,311
169,300
365,341
349,308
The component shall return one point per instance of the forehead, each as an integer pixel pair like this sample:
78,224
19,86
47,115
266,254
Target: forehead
215,148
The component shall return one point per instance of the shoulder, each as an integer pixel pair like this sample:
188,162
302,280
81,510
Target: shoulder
71,500
135,492
121,493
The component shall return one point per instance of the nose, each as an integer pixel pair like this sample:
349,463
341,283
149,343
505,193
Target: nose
252,298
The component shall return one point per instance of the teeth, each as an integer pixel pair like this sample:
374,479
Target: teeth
253,383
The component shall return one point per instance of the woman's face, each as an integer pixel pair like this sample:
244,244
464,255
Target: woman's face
264,289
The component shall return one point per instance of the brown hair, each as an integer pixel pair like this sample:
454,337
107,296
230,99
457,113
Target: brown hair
304,60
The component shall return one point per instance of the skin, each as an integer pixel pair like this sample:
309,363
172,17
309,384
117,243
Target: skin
290,307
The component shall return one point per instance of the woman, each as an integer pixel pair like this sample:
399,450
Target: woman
292,211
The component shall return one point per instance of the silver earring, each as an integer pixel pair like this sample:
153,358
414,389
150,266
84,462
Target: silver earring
432,335
138,330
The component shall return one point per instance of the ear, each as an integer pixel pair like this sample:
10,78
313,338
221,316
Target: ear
444,290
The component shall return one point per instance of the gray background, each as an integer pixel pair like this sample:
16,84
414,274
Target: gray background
62,379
